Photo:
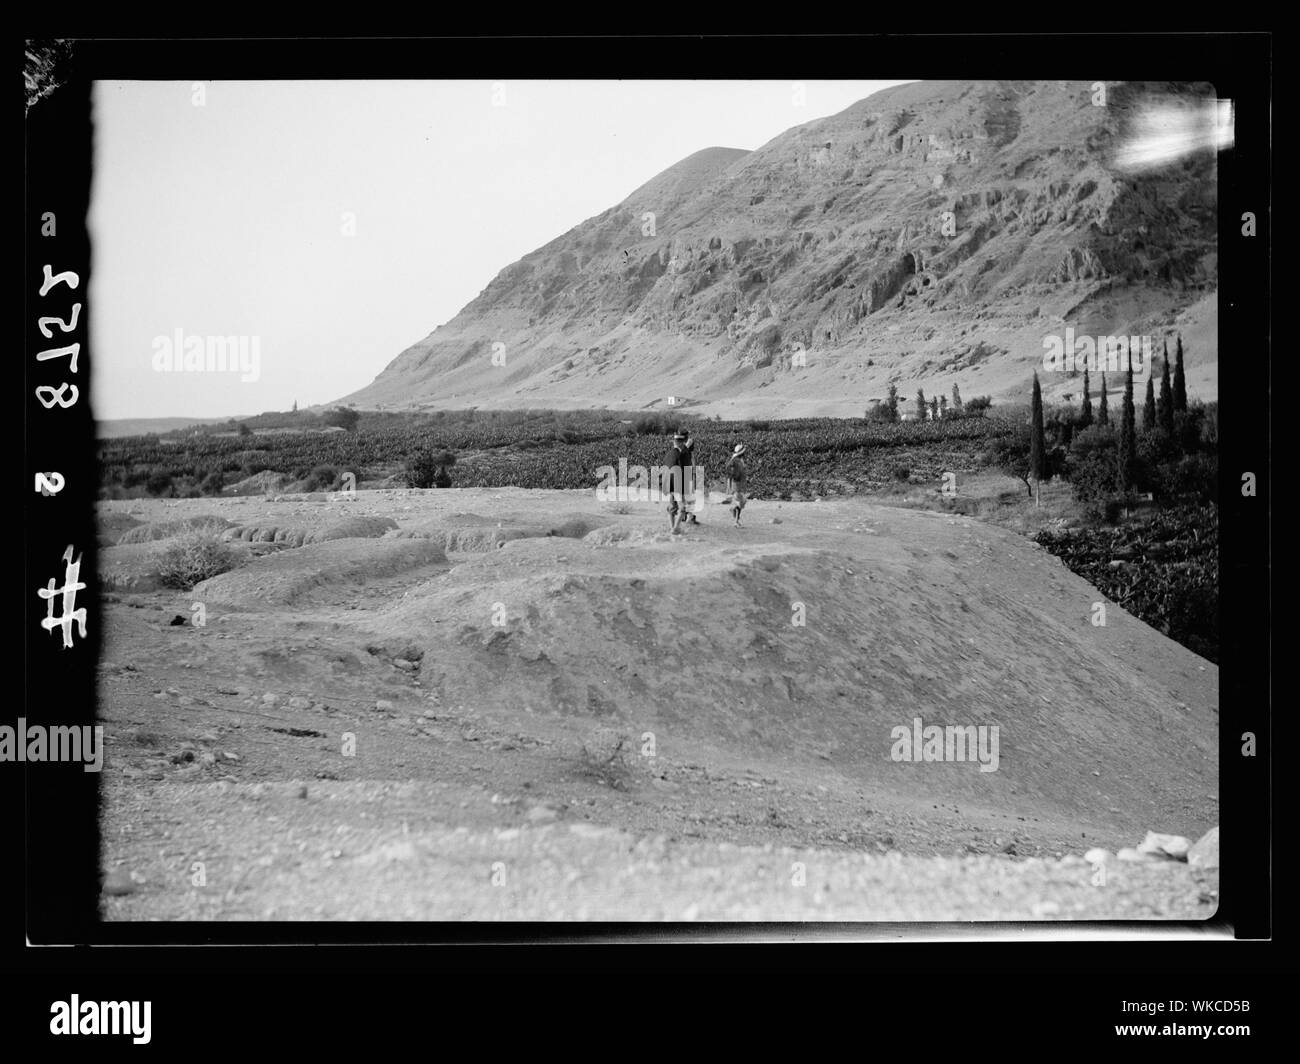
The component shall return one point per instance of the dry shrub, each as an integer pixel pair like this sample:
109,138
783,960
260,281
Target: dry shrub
194,557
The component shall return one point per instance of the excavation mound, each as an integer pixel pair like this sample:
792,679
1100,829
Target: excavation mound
285,578
848,644
154,530
474,534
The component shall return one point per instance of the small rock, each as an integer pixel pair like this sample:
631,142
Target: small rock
542,814
384,706
1205,854
404,665
270,698
229,756
302,791
777,521
1097,856
1128,853
1173,847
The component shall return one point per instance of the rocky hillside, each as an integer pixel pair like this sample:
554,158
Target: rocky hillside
931,234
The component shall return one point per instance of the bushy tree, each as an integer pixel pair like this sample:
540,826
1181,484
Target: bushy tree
1093,468
429,470
1009,454
342,417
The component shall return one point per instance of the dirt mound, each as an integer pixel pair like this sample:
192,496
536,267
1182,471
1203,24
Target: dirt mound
473,534
154,530
284,578
296,535
832,650
267,482
351,528
110,524
135,568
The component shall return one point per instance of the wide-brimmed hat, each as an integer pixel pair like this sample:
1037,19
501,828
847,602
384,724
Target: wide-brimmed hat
680,435
740,449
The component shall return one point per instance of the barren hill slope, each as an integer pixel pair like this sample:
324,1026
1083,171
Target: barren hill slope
931,234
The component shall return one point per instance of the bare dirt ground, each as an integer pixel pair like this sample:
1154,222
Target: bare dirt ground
528,705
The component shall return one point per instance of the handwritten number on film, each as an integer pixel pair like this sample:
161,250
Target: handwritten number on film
48,395
51,483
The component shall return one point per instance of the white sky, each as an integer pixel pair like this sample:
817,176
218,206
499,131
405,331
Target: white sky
226,219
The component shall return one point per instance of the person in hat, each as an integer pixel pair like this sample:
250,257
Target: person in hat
677,465
736,481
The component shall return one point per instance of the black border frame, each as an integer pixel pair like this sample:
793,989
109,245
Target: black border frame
60,833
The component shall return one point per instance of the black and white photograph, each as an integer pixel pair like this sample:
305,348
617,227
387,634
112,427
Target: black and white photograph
698,500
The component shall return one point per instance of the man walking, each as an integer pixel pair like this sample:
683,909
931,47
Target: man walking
678,464
736,481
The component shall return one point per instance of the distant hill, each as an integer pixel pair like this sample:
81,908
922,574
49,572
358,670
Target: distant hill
139,426
929,235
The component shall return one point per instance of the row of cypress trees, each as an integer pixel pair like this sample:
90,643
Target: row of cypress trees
1173,399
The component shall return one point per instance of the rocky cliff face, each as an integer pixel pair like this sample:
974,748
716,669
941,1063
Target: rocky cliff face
931,234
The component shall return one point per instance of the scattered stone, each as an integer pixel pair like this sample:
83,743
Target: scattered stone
270,698
118,883
384,706
1171,847
542,814
1205,854
298,702
1097,856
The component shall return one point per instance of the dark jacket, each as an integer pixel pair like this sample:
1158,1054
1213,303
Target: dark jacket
682,458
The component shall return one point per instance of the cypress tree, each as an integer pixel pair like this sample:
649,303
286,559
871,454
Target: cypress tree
934,409
1103,414
1180,381
920,404
1165,406
1037,443
956,399
1149,407
1085,412
1127,438
892,402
